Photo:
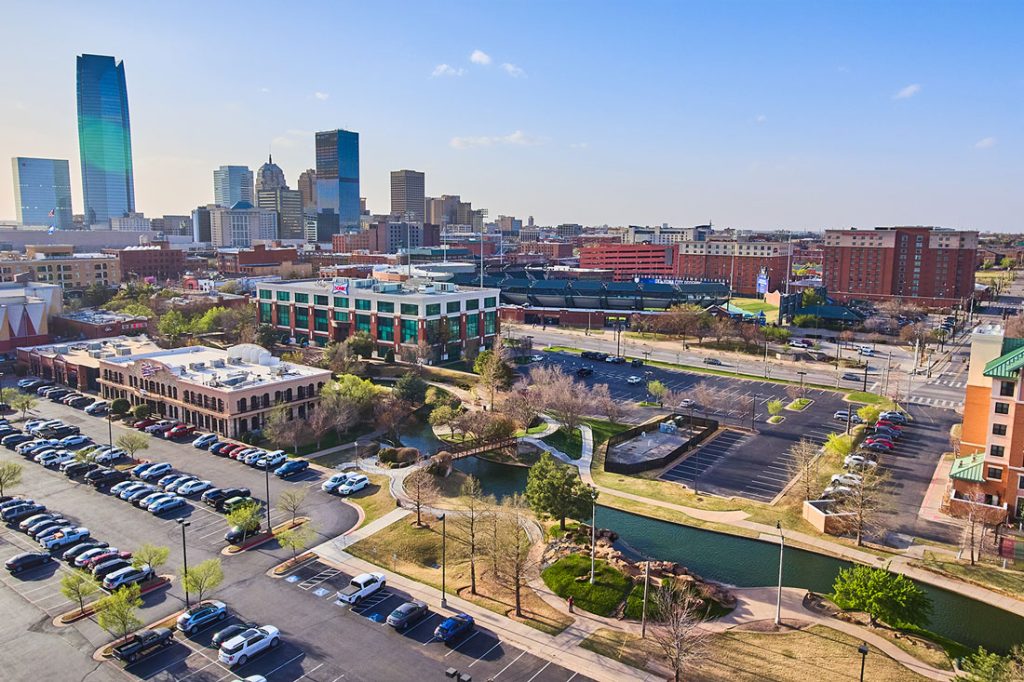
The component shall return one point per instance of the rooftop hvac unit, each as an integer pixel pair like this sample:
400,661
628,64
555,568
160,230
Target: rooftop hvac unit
426,289
197,365
122,350
234,360
95,354
95,346
217,363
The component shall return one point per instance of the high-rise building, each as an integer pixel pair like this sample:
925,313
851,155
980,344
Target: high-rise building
927,265
337,176
201,223
510,226
104,139
178,225
307,187
130,222
270,176
241,225
42,191
407,195
288,205
232,184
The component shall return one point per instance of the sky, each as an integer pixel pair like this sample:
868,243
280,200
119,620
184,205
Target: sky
753,115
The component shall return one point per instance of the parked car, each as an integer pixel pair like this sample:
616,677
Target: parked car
880,446
110,456
362,586
230,631
166,504
155,471
15,439
354,484
240,648
99,407
127,576
26,560
634,380
205,441
64,538
76,469
71,554
193,487
271,460
37,528
143,424
859,462
453,627
179,431
63,431
109,566
24,525
844,415
408,613
143,643
174,485
105,476
893,416
237,535
291,468
21,511
110,554
231,504
584,372
636,362
201,615
142,500
84,557
214,495
332,483
55,459
218,448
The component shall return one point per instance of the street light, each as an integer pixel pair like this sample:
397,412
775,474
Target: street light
184,558
778,599
802,375
593,531
266,471
443,518
863,649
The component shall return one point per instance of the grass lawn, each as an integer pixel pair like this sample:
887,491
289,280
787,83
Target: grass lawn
622,647
416,553
572,444
603,597
1008,582
869,399
532,431
799,404
331,440
375,499
754,305
776,419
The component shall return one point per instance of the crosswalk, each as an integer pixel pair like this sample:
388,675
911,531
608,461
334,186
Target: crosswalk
947,382
935,402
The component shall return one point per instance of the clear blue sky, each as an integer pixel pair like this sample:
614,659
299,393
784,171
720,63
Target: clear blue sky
751,114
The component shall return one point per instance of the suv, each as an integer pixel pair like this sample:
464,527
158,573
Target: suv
240,648
201,615
584,372
127,576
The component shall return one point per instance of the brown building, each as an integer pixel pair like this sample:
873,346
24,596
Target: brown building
157,260
92,323
77,364
550,250
59,264
928,265
261,260
388,237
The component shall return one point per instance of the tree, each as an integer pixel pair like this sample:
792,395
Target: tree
885,596
292,501
360,344
173,324
78,586
722,327
361,394
560,395
443,415
519,405
839,444
862,508
468,524
10,475
803,462
678,634
983,666
120,406
23,403
422,489
138,310
977,517
319,421
1007,263
247,517
267,336
203,578
705,395
658,391
389,413
869,413
810,298
411,388
141,411
555,490
512,559
150,554
602,399
343,412
132,442
116,612
775,406
282,430
495,373
297,539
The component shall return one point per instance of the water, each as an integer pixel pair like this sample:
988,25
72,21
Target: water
745,562
417,433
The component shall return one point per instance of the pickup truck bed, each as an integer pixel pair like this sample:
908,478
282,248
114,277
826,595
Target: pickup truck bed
143,643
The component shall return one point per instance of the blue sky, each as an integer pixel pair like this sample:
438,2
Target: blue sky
750,114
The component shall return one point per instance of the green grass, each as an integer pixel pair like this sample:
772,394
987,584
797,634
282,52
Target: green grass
1008,582
869,399
635,601
331,440
799,404
572,444
603,597
532,431
954,649
776,419
754,305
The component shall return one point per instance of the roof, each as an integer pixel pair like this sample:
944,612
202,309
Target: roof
1006,366
832,312
970,468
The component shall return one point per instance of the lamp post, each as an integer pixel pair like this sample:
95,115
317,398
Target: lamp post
778,599
110,428
802,375
184,558
443,518
593,532
863,649
266,471
753,411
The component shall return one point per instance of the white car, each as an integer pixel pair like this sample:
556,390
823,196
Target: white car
634,380
253,457
173,486
858,462
127,576
96,407
332,483
537,358
271,460
687,403
64,538
353,484
82,559
166,504
55,459
108,456
846,479
193,487
240,648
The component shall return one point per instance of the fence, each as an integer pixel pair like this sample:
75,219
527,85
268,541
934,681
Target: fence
709,426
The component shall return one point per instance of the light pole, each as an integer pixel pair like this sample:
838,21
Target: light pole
444,547
802,375
266,471
753,411
593,532
778,599
866,367
110,428
863,649
184,558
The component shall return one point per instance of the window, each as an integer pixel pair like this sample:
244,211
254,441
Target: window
490,323
341,316
283,296
997,451
385,329
265,313
454,306
472,304
454,327
1020,482
1002,408
320,300
433,309
302,298
410,309
301,317
363,323
410,331
490,302
999,429
320,320
362,304
265,293
340,301
995,473
284,319
472,325
385,307
1006,388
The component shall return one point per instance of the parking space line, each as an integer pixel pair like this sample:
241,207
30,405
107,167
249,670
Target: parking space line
288,662
160,670
196,672
307,674
496,645
456,647
521,654
539,671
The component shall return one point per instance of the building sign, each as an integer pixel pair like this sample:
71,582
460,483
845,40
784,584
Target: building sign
762,283
339,285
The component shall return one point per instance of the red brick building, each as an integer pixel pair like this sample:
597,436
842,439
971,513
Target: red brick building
627,261
550,250
260,260
927,265
157,260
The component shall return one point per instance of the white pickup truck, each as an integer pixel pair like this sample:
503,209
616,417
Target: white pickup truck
362,586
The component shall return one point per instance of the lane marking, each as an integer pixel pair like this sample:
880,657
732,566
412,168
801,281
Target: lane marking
456,647
539,671
521,654
496,645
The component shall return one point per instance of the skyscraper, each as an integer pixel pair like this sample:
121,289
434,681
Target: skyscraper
104,139
232,184
307,187
337,176
270,176
407,195
288,205
41,186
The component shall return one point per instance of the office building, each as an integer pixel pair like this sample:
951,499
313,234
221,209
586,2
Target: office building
131,222
416,319
232,184
930,266
269,176
387,237
287,203
42,192
307,188
663,234
59,264
337,177
407,195
78,364
201,223
262,261
157,260
97,323
176,225
104,139
229,392
241,225
509,226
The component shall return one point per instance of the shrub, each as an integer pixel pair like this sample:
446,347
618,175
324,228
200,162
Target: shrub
441,464
399,456
389,357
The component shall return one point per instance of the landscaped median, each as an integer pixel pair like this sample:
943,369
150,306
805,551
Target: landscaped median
263,538
90,608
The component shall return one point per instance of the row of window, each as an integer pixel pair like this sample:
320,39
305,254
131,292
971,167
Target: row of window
385,325
432,309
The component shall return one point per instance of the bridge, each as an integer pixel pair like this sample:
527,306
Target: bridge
476,446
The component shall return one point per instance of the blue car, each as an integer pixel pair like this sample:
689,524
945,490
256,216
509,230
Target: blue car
291,468
454,627
139,469
217,447
205,442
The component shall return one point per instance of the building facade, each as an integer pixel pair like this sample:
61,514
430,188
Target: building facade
287,203
25,310
663,234
337,176
158,260
78,364
414,319
241,225
59,264
307,188
104,139
42,192
408,199
92,323
232,184
131,222
270,176
930,266
229,392
262,261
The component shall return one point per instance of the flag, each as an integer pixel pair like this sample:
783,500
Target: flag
148,370
53,212
52,229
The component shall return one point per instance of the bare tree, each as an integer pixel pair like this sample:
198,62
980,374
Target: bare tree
319,421
679,634
519,406
863,506
794,392
705,396
291,501
561,395
468,525
803,462
612,409
513,559
955,438
389,413
977,517
422,489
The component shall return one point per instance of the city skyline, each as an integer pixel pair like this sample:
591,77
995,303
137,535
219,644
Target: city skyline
797,116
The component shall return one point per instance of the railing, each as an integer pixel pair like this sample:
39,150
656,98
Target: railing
476,446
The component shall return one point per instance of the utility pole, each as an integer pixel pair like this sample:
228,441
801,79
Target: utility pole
643,610
753,411
778,599
888,368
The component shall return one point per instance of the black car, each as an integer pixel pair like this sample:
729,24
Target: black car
102,570
636,362
15,439
80,469
237,534
408,613
72,554
215,497
584,372
65,431
106,476
230,631
21,562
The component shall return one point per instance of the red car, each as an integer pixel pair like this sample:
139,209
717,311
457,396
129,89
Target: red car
143,423
889,425
231,449
887,444
179,431
106,556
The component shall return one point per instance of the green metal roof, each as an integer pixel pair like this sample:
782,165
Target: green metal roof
969,468
1006,366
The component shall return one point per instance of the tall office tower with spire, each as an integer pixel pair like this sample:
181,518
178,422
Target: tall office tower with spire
270,176
42,191
307,187
104,139
337,180
407,195
232,184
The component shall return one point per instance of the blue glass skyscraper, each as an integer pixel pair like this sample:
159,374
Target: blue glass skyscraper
42,191
337,176
104,139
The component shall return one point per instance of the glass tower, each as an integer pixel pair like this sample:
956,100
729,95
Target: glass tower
104,139
337,176
232,184
42,186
